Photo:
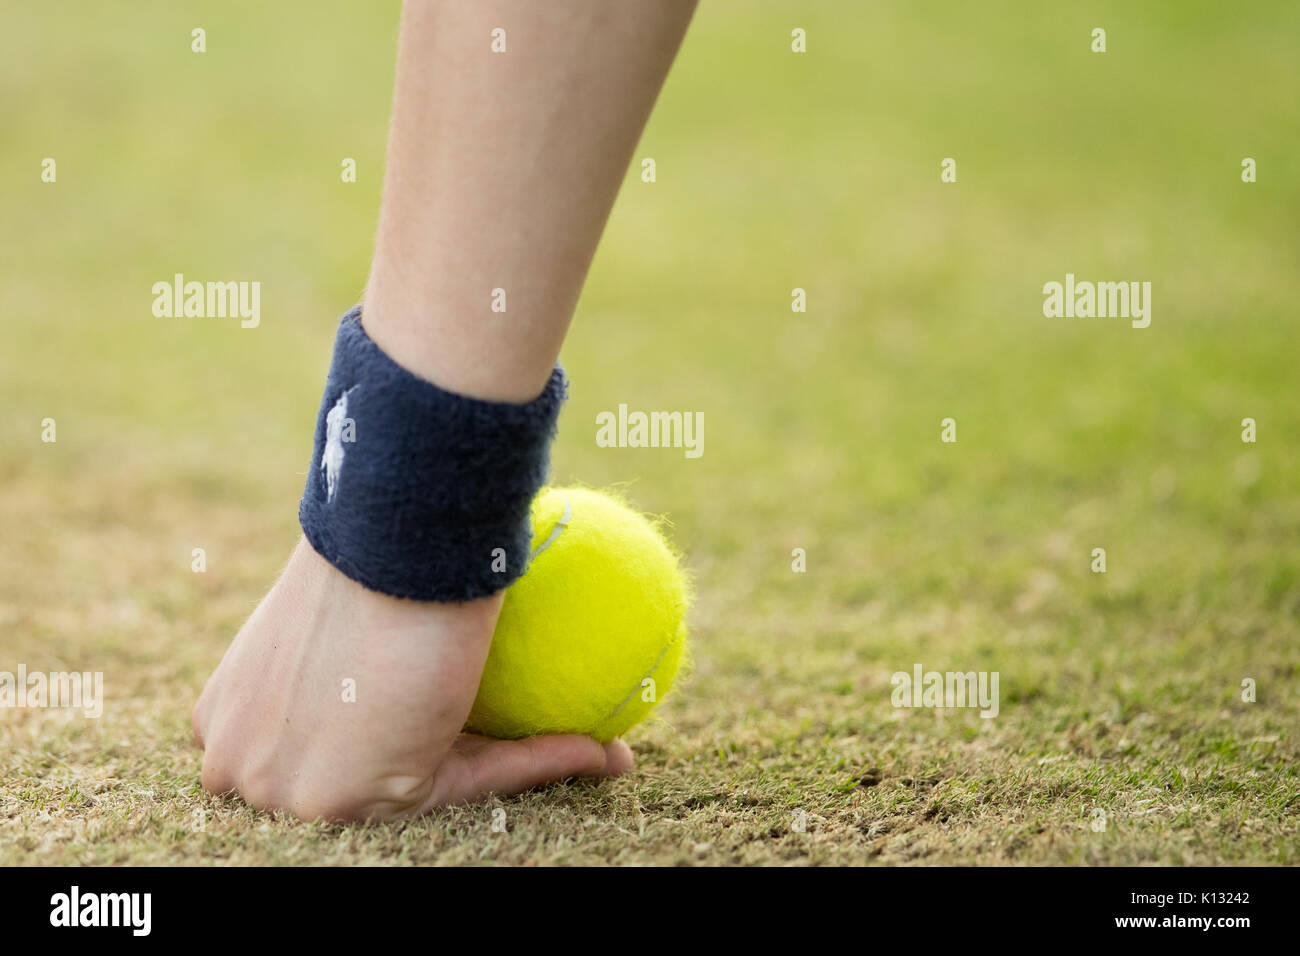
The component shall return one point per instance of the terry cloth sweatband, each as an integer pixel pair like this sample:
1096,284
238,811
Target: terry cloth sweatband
418,492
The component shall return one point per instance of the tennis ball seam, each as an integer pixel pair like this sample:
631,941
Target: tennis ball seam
556,530
639,684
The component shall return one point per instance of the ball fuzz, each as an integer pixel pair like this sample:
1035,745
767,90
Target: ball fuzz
590,639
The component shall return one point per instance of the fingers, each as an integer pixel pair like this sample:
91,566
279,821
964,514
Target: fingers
477,766
618,758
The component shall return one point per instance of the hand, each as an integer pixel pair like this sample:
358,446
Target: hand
335,702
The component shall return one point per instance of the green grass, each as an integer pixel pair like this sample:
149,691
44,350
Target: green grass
1120,691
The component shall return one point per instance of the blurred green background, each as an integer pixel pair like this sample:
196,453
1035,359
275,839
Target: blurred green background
776,170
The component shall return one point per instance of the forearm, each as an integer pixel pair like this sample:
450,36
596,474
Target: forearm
502,171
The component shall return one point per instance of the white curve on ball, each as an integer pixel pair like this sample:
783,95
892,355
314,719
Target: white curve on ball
641,683
555,532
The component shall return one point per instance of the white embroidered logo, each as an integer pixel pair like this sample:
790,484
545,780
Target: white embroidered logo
331,460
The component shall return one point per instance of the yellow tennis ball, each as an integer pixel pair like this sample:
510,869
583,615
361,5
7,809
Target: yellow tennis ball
591,637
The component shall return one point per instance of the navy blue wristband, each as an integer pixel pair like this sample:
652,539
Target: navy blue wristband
415,491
